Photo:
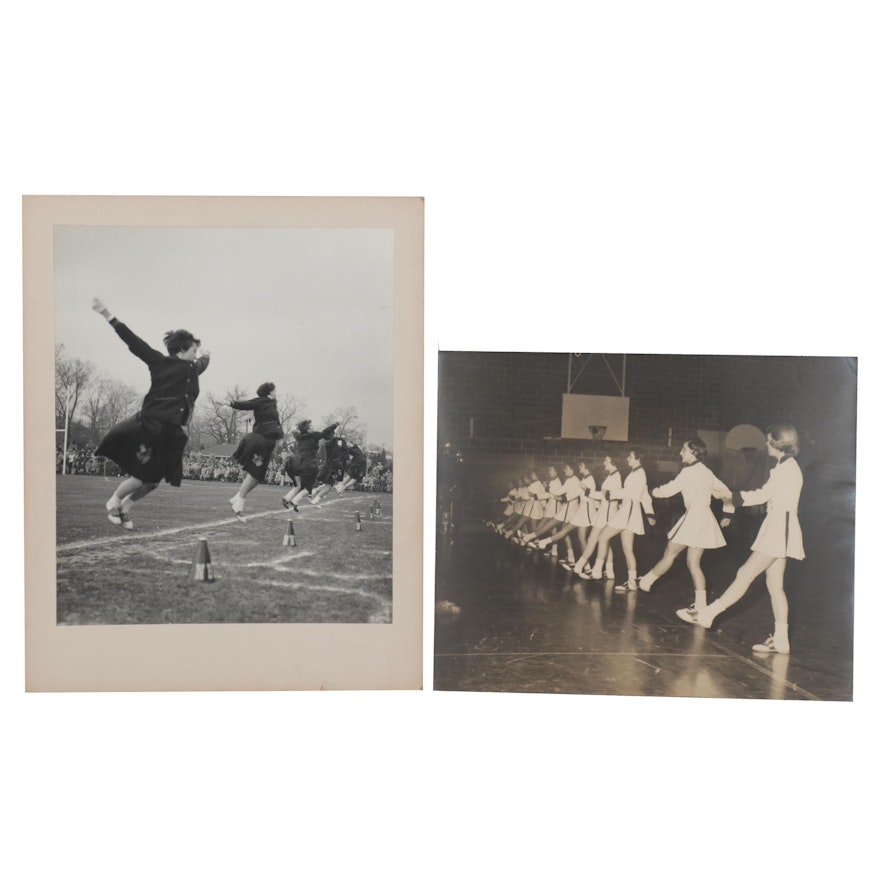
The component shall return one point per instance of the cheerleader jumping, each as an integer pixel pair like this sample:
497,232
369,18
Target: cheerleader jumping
302,467
697,530
355,468
332,472
255,449
149,446
778,539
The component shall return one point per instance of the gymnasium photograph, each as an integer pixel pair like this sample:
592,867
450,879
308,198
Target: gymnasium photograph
646,525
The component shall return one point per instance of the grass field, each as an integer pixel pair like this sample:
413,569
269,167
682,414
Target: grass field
334,574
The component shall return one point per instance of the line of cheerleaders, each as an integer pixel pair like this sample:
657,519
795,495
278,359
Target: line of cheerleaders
148,446
544,515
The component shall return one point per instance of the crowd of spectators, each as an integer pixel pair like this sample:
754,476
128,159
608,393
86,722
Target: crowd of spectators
82,460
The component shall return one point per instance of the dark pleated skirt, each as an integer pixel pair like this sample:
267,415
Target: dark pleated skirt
356,470
306,471
254,453
331,472
149,451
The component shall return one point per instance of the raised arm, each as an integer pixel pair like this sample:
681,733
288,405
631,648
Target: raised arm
244,404
135,344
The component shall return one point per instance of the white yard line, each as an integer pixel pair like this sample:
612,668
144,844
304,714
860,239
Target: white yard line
226,521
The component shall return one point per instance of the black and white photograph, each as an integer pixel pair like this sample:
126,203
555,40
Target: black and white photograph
646,525
224,444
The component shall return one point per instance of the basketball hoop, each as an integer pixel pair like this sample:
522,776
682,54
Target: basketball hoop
598,431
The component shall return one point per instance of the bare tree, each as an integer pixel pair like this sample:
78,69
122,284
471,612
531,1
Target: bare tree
72,378
221,422
290,411
106,402
121,401
349,427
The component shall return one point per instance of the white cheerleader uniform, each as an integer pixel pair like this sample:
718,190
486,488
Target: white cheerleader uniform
698,526
554,496
510,498
633,496
607,508
585,511
535,508
567,503
780,534
522,499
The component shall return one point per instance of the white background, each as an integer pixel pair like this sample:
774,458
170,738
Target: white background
676,177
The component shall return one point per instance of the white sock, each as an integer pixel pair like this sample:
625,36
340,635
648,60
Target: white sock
699,599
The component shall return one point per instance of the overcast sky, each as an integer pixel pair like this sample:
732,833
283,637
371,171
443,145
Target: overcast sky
308,309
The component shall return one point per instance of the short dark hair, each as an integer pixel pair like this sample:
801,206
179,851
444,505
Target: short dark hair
304,425
784,437
265,389
179,340
698,447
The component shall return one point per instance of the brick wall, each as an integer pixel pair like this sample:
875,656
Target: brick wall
515,401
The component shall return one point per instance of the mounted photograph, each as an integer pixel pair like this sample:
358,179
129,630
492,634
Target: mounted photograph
228,479
646,525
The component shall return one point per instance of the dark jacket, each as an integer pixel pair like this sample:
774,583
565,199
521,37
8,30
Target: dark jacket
174,383
337,451
356,456
266,421
307,443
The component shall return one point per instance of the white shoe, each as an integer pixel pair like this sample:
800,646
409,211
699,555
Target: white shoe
114,513
771,646
688,615
237,503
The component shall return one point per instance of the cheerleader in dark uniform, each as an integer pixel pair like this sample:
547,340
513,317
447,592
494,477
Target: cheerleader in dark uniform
149,446
255,450
333,469
355,468
302,467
